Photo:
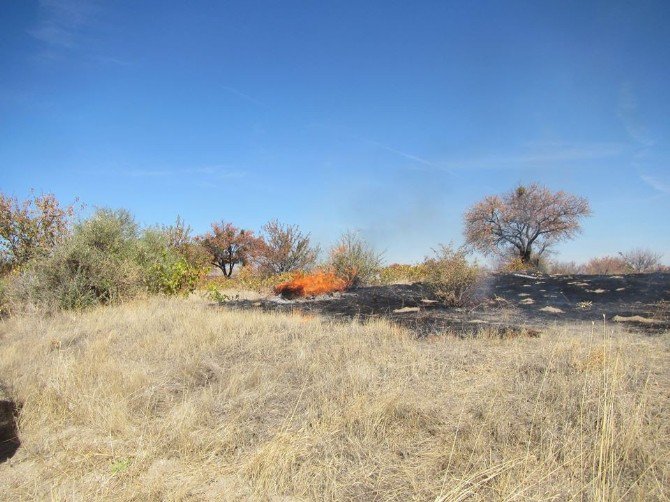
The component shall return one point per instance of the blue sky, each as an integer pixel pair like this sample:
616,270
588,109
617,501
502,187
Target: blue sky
387,117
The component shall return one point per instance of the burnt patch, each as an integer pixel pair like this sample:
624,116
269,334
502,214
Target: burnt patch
9,434
503,307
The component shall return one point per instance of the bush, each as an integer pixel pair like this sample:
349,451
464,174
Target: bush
606,265
171,274
565,268
508,263
31,228
284,248
164,268
641,260
450,276
354,260
97,265
397,273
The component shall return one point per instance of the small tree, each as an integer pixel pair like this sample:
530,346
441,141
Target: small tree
285,249
31,228
641,260
528,220
354,260
229,246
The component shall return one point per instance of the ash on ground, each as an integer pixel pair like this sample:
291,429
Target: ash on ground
505,303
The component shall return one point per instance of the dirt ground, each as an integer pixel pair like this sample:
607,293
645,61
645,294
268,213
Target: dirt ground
504,302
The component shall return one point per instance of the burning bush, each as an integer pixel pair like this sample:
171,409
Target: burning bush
310,285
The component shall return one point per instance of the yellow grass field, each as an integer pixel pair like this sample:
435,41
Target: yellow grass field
176,399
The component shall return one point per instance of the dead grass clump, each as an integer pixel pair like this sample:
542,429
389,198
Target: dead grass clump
502,332
172,399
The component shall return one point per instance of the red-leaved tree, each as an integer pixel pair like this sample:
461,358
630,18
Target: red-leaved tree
230,246
31,227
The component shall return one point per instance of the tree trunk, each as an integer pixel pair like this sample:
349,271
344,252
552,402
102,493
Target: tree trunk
226,268
525,254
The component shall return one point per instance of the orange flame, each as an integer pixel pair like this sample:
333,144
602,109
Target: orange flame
310,285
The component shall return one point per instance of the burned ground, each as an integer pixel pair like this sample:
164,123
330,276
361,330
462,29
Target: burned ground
505,303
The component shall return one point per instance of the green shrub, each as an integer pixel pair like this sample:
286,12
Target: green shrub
166,262
97,265
450,275
402,274
171,275
354,260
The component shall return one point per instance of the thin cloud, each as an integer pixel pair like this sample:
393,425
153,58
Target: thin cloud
400,152
540,155
205,172
212,172
656,184
112,61
242,95
409,156
61,22
406,155
628,112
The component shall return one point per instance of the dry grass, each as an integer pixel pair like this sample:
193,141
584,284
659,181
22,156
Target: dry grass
174,399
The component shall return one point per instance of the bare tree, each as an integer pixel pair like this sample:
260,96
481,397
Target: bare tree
229,246
641,260
528,220
285,249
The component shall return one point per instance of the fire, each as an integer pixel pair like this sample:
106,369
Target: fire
310,285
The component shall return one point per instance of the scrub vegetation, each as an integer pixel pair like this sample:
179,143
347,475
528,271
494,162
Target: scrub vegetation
126,379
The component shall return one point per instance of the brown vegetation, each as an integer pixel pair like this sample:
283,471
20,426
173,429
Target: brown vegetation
354,260
641,260
31,228
230,246
173,399
284,249
452,278
528,219
605,265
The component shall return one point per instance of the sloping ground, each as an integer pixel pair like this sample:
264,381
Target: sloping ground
171,399
505,302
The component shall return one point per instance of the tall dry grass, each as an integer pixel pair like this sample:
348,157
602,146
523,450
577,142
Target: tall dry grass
174,399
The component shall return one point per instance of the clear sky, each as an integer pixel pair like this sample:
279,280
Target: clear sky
387,117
